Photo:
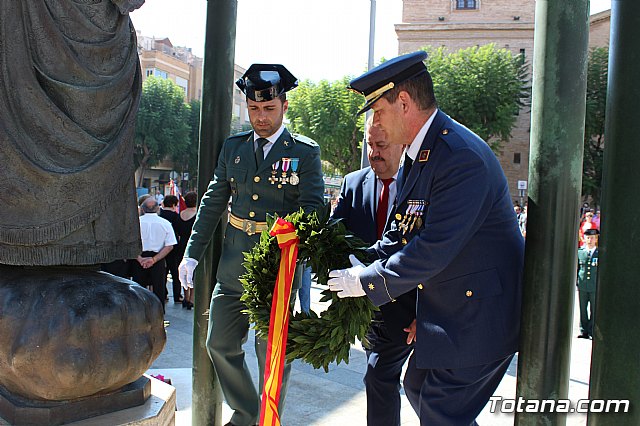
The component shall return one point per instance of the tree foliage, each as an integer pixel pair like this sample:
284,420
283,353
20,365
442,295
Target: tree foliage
162,127
597,75
483,88
326,112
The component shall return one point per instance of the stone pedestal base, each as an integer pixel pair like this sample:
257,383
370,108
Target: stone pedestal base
158,410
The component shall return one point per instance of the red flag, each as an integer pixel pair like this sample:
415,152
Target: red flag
174,190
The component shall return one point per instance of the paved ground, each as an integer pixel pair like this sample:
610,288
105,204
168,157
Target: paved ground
336,397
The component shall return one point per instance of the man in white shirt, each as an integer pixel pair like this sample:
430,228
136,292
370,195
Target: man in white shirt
158,240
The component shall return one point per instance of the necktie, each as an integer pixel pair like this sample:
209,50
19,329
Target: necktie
406,166
259,150
383,206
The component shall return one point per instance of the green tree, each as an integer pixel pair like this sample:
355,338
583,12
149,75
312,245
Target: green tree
326,112
483,88
186,160
162,127
597,75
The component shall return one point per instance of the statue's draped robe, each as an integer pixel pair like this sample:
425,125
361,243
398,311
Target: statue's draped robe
69,92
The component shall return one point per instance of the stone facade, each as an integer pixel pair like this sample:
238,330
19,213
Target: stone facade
508,24
599,29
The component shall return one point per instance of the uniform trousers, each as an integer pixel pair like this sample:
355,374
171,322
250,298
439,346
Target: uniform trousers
385,360
228,331
154,276
452,397
587,301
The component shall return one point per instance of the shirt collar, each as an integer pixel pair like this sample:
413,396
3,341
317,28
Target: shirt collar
412,150
274,137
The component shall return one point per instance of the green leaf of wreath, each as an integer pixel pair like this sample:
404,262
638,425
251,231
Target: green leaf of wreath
325,245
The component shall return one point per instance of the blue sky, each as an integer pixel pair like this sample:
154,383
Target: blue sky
313,39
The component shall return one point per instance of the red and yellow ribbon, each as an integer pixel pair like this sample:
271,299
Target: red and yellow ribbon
288,240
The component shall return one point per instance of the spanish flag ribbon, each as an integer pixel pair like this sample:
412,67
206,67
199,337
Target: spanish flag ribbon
288,240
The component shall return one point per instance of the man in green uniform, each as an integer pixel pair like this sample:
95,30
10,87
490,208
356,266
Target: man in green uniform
587,276
264,171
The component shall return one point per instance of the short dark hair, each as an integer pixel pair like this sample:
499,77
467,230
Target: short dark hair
191,199
420,88
170,201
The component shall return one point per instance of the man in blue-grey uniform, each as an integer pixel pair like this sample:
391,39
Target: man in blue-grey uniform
454,238
263,171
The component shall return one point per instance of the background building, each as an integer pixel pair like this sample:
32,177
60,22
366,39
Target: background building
161,59
458,24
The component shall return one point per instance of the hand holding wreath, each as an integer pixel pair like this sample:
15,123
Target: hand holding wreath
325,245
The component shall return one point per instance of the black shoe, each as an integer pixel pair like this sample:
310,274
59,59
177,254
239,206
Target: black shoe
583,336
189,305
178,300
184,303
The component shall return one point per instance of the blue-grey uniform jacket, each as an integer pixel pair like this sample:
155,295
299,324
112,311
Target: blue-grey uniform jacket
455,238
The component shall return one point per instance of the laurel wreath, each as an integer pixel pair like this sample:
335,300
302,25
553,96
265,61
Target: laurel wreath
325,245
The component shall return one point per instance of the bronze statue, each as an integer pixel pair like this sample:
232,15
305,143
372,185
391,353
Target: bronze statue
70,85
69,90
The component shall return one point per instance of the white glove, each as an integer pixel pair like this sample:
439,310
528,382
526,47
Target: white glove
185,271
346,281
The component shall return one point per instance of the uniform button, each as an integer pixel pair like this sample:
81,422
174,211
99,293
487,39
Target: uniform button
398,216
445,132
404,241
256,179
469,293
420,286
279,186
255,197
232,180
252,214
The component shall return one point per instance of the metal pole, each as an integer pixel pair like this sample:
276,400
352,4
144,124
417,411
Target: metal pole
217,98
555,170
616,340
364,160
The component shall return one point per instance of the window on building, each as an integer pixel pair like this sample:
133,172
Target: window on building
149,72
466,4
516,158
522,56
160,74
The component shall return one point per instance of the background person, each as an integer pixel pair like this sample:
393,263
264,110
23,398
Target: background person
454,238
586,282
266,170
158,240
168,212
183,227
365,202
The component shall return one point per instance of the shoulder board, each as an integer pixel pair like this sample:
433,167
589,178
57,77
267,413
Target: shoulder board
303,139
452,138
241,134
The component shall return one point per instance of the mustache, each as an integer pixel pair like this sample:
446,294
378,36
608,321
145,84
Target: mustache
378,158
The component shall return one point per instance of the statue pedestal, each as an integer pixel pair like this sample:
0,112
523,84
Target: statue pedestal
158,410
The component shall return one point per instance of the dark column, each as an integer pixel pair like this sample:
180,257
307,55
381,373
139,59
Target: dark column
555,170
217,98
616,341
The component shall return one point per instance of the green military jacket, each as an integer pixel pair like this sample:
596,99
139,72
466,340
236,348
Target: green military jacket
587,269
290,177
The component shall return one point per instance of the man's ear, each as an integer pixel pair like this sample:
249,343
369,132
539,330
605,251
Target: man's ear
285,106
406,101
